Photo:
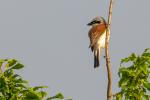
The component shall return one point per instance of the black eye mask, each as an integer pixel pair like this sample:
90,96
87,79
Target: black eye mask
94,22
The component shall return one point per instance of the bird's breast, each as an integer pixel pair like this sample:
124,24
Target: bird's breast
101,41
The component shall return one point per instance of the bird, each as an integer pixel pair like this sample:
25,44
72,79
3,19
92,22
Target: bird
97,36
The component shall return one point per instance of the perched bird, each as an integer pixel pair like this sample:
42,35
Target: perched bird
97,35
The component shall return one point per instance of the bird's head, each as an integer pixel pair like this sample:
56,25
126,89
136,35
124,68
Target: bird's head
97,21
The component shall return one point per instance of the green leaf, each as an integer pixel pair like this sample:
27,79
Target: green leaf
147,85
2,82
123,81
20,80
43,94
119,96
2,98
132,57
146,52
144,69
125,60
123,71
11,62
1,62
16,76
147,49
31,96
8,73
17,66
39,87
22,86
6,65
57,96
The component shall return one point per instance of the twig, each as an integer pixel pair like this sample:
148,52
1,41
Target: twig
109,87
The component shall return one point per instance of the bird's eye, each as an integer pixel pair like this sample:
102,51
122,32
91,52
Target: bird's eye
97,21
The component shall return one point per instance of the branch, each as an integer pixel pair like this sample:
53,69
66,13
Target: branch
109,87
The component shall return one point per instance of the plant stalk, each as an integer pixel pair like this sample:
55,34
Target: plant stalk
109,72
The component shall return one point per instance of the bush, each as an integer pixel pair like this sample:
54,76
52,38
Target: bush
14,87
134,77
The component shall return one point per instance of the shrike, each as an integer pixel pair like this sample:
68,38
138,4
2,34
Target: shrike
97,35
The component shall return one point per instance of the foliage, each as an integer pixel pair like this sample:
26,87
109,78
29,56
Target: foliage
134,77
13,87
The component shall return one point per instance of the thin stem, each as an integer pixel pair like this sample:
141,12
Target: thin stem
109,87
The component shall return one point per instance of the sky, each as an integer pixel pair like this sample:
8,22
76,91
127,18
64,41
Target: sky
50,37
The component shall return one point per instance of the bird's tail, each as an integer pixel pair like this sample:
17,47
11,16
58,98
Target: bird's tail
96,58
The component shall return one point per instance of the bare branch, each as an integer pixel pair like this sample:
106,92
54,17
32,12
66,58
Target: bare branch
109,87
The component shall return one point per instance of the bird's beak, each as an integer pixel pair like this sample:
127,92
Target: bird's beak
89,24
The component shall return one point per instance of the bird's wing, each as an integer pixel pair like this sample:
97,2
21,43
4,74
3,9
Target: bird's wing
95,33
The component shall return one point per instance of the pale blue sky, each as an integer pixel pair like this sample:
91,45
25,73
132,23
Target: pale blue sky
50,38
